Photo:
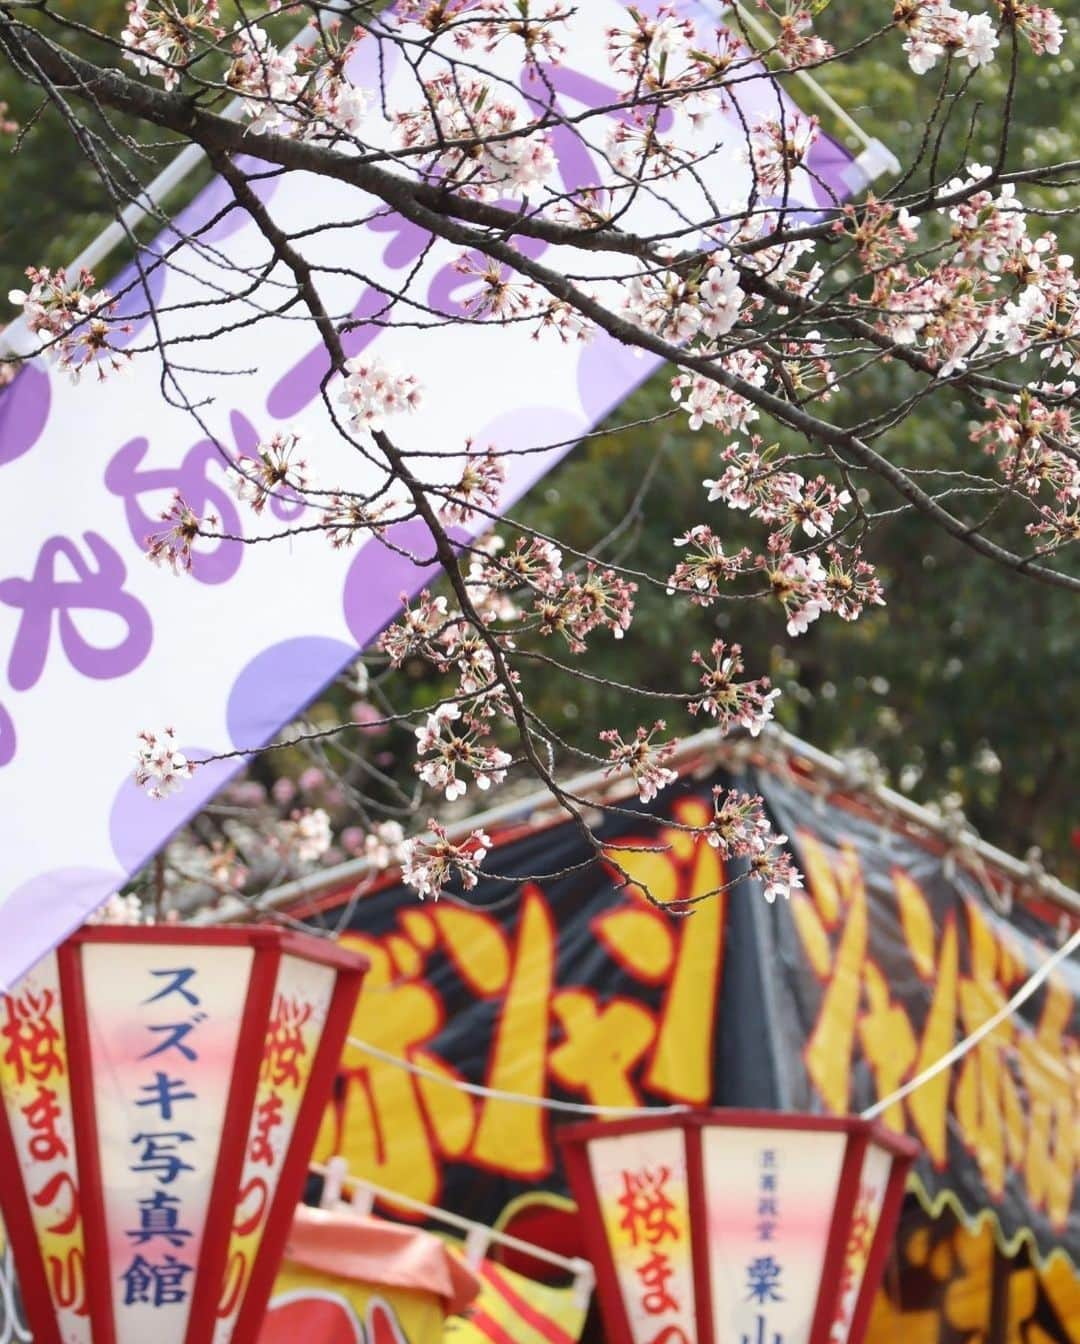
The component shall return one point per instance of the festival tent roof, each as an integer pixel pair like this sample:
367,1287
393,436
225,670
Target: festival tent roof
854,777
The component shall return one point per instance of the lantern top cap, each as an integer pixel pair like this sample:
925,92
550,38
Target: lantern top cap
724,1118
256,936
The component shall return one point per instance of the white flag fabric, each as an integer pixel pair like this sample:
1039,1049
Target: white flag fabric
96,643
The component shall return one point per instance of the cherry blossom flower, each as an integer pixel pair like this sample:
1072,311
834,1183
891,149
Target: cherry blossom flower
384,844
798,503
637,153
478,487
300,93
161,35
73,320
532,563
346,518
878,229
499,294
777,148
486,582
721,298
172,546
645,760
739,825
464,648
497,151
663,302
566,323
537,26
650,48
798,582
850,585
1041,26
1058,526
428,865
161,767
734,704
447,750
708,402
304,835
374,390
740,829
706,567
121,910
797,43
774,867
576,605
416,630
272,473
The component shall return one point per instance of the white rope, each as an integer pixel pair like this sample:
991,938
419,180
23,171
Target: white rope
969,1042
497,1094
958,1051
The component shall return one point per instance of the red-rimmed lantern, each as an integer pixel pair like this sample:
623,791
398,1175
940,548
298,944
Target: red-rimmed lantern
737,1227
162,1088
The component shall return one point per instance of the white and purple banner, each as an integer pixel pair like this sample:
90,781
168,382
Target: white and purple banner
96,643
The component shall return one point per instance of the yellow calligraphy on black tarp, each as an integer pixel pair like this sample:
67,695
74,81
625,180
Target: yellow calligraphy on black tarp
1014,1098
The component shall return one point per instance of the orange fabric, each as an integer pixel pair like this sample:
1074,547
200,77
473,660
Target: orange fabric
373,1251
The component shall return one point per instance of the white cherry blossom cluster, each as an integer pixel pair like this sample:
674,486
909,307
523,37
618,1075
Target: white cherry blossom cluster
478,487
798,584
304,835
806,588
416,633
384,844
707,567
475,138
161,767
577,604
644,760
777,147
72,319
935,29
537,24
374,390
274,472
173,545
732,703
450,741
532,563
740,829
708,402
666,53
161,35
784,499
483,25
680,307
347,518
125,910
797,43
303,94
646,46
429,865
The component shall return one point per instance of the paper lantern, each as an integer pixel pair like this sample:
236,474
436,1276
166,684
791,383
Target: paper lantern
737,1227
162,1088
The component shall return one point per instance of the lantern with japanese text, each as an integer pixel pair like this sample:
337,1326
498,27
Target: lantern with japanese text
737,1227
162,1088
